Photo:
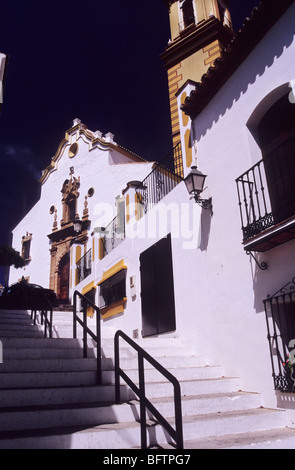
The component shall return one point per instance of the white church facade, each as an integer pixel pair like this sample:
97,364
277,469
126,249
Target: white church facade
217,268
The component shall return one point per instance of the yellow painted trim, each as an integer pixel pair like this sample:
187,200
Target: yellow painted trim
101,250
138,206
78,253
212,58
188,148
113,270
213,44
114,309
127,209
185,118
175,67
88,288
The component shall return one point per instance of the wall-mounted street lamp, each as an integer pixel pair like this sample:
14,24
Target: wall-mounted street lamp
194,182
77,226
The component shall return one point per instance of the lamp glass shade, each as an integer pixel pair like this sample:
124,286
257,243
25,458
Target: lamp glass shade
195,181
77,226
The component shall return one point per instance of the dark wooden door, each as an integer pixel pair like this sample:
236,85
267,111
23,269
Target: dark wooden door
279,162
157,289
64,275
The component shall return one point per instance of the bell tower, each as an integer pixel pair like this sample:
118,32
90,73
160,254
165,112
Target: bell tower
200,29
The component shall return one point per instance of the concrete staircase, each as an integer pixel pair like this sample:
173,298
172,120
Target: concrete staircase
49,398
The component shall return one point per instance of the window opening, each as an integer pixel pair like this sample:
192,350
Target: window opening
113,289
188,13
26,246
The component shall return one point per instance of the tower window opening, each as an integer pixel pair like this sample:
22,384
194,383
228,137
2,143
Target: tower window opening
188,13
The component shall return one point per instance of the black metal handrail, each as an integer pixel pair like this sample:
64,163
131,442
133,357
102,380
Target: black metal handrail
177,433
45,308
86,331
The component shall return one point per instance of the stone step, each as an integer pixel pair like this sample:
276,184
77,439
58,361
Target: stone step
49,397
25,397
283,438
27,320
17,361
194,387
127,435
96,413
24,326
227,423
20,333
47,379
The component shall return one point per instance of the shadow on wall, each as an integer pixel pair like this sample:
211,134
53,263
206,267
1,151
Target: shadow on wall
248,76
285,400
205,227
280,270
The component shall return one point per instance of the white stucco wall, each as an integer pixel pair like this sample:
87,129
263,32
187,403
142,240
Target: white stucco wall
225,149
105,169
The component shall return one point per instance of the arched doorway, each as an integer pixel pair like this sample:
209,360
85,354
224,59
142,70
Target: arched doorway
276,133
63,278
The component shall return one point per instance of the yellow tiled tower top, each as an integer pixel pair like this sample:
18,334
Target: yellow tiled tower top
200,29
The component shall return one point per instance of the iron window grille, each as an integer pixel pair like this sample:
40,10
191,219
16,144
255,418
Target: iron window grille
113,289
280,320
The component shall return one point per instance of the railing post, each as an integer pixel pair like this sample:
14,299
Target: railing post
178,416
141,401
50,326
74,315
98,344
84,330
117,375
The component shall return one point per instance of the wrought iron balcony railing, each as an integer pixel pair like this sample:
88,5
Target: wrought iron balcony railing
161,180
254,202
113,234
84,266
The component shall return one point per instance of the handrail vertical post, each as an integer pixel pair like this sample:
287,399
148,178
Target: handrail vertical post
178,417
117,375
98,348
44,315
50,325
84,330
142,404
74,316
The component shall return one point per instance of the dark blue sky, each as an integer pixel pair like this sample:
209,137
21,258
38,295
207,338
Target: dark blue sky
92,59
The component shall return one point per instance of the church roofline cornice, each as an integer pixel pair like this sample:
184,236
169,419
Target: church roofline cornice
94,139
197,36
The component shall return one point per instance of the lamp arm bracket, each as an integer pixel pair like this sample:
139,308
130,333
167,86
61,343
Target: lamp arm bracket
263,266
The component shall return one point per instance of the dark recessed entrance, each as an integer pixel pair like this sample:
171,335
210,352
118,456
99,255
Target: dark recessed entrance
64,274
157,289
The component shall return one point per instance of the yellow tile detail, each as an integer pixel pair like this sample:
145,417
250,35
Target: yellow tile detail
88,288
113,270
114,309
206,48
127,209
185,118
211,58
188,149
